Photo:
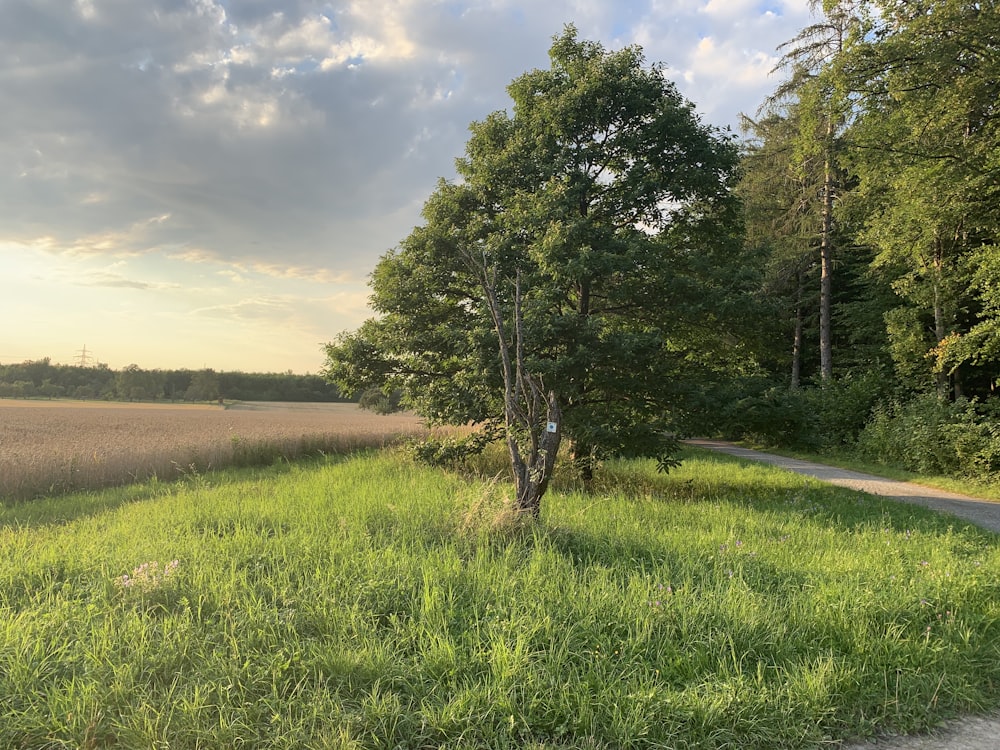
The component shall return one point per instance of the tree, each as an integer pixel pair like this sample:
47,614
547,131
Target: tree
562,287
926,150
135,384
204,386
822,106
777,190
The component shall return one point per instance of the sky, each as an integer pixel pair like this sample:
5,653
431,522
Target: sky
209,183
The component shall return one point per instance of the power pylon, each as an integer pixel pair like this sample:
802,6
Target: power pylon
83,357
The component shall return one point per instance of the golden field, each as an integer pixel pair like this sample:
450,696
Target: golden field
56,446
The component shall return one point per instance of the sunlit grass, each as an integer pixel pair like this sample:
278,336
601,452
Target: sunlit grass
358,603
844,459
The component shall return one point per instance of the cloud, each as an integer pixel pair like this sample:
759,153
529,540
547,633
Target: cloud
295,140
287,132
113,281
248,309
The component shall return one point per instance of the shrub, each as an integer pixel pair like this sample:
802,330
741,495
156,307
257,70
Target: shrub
823,415
930,435
777,416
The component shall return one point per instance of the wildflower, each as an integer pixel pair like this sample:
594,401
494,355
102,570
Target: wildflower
148,576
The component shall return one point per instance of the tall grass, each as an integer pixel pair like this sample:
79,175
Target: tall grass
369,603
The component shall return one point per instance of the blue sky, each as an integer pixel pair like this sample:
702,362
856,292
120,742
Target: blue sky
208,183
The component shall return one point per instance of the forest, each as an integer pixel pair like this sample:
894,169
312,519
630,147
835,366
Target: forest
828,281
44,379
869,185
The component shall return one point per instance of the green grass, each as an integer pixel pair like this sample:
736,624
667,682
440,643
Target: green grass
359,603
845,460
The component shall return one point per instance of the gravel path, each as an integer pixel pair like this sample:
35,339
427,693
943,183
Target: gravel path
970,733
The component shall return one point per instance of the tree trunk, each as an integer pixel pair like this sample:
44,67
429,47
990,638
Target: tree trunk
533,473
797,338
826,262
532,417
940,324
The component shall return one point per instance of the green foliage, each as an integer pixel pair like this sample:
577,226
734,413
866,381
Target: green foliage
454,451
374,399
931,435
356,604
775,416
824,415
607,201
925,145
843,406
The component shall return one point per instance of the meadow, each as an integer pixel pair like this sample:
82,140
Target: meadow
370,602
57,446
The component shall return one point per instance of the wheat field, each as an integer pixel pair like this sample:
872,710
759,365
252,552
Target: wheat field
48,447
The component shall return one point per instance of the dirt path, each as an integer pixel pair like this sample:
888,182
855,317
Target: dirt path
983,513
970,733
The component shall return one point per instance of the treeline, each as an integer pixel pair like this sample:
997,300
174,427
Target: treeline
43,379
871,189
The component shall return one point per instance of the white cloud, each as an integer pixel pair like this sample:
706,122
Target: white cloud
294,141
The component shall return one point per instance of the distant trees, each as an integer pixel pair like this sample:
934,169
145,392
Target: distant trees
135,384
204,386
42,379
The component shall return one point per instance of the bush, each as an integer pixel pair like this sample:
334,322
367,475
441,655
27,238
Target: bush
778,416
821,416
842,407
930,435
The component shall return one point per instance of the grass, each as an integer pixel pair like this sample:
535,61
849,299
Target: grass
845,460
367,602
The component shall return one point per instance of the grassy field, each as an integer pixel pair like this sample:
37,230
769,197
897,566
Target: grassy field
57,446
845,460
367,602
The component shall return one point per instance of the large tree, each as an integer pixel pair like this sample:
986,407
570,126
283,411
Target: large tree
565,284
816,99
926,151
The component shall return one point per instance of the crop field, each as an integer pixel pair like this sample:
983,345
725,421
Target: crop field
56,446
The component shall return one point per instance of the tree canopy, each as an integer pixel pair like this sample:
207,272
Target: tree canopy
587,242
